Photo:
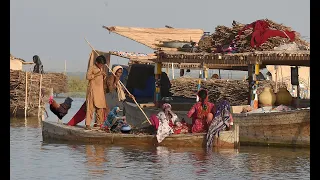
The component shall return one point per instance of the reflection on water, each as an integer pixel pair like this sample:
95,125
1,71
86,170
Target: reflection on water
30,158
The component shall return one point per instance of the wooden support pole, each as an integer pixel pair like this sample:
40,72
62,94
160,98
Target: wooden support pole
205,72
250,80
157,73
26,97
40,96
298,86
256,72
276,72
172,70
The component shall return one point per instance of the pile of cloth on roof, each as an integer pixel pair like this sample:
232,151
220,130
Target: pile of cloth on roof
260,35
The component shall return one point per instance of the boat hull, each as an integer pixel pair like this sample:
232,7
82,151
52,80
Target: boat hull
275,129
272,129
62,132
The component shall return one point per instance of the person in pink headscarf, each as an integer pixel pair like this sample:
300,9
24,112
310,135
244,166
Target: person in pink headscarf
202,113
167,122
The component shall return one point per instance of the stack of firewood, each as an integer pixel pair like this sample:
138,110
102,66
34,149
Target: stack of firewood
57,81
225,35
235,91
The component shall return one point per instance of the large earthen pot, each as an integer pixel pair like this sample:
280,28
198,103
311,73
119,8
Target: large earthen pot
284,97
267,97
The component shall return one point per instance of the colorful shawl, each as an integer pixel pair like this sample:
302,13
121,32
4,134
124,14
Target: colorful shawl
220,122
164,128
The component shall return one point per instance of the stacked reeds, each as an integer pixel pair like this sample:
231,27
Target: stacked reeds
235,91
18,87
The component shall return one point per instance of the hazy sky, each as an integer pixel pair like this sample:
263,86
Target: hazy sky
55,30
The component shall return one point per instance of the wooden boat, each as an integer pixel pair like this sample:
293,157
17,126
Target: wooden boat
62,132
290,128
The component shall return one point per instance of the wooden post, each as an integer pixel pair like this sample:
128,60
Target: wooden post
298,86
26,97
250,80
256,73
236,136
172,71
205,69
157,73
276,68
219,74
39,101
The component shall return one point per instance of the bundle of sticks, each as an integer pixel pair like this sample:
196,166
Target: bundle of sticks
235,91
225,35
57,81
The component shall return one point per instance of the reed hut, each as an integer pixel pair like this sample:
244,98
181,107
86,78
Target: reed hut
30,91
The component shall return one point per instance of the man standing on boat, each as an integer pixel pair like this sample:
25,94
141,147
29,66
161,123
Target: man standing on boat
96,102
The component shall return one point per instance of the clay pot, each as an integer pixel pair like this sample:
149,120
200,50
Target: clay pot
267,97
284,97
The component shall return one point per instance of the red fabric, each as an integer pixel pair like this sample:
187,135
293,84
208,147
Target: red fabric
261,33
199,116
79,116
182,129
154,121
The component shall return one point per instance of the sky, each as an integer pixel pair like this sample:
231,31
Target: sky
55,30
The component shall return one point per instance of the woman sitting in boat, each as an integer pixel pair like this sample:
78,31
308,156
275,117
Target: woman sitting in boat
222,121
202,113
114,122
167,122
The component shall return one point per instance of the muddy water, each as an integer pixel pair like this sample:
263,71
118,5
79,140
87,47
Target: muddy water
30,158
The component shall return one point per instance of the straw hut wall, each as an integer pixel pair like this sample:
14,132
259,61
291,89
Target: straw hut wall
57,81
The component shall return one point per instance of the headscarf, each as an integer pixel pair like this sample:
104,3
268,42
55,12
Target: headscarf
121,95
166,107
221,120
38,67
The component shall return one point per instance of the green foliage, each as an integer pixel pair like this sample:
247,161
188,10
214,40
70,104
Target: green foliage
77,84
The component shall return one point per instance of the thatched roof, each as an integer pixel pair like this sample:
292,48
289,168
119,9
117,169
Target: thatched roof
154,37
294,58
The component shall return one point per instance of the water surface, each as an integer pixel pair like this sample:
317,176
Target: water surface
30,158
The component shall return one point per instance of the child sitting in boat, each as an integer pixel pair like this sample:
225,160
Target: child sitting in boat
166,122
114,122
202,113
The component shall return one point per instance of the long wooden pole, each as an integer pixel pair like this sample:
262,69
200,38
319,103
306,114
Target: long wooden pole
26,97
39,101
121,84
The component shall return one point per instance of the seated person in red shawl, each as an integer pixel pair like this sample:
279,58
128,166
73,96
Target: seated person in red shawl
202,113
